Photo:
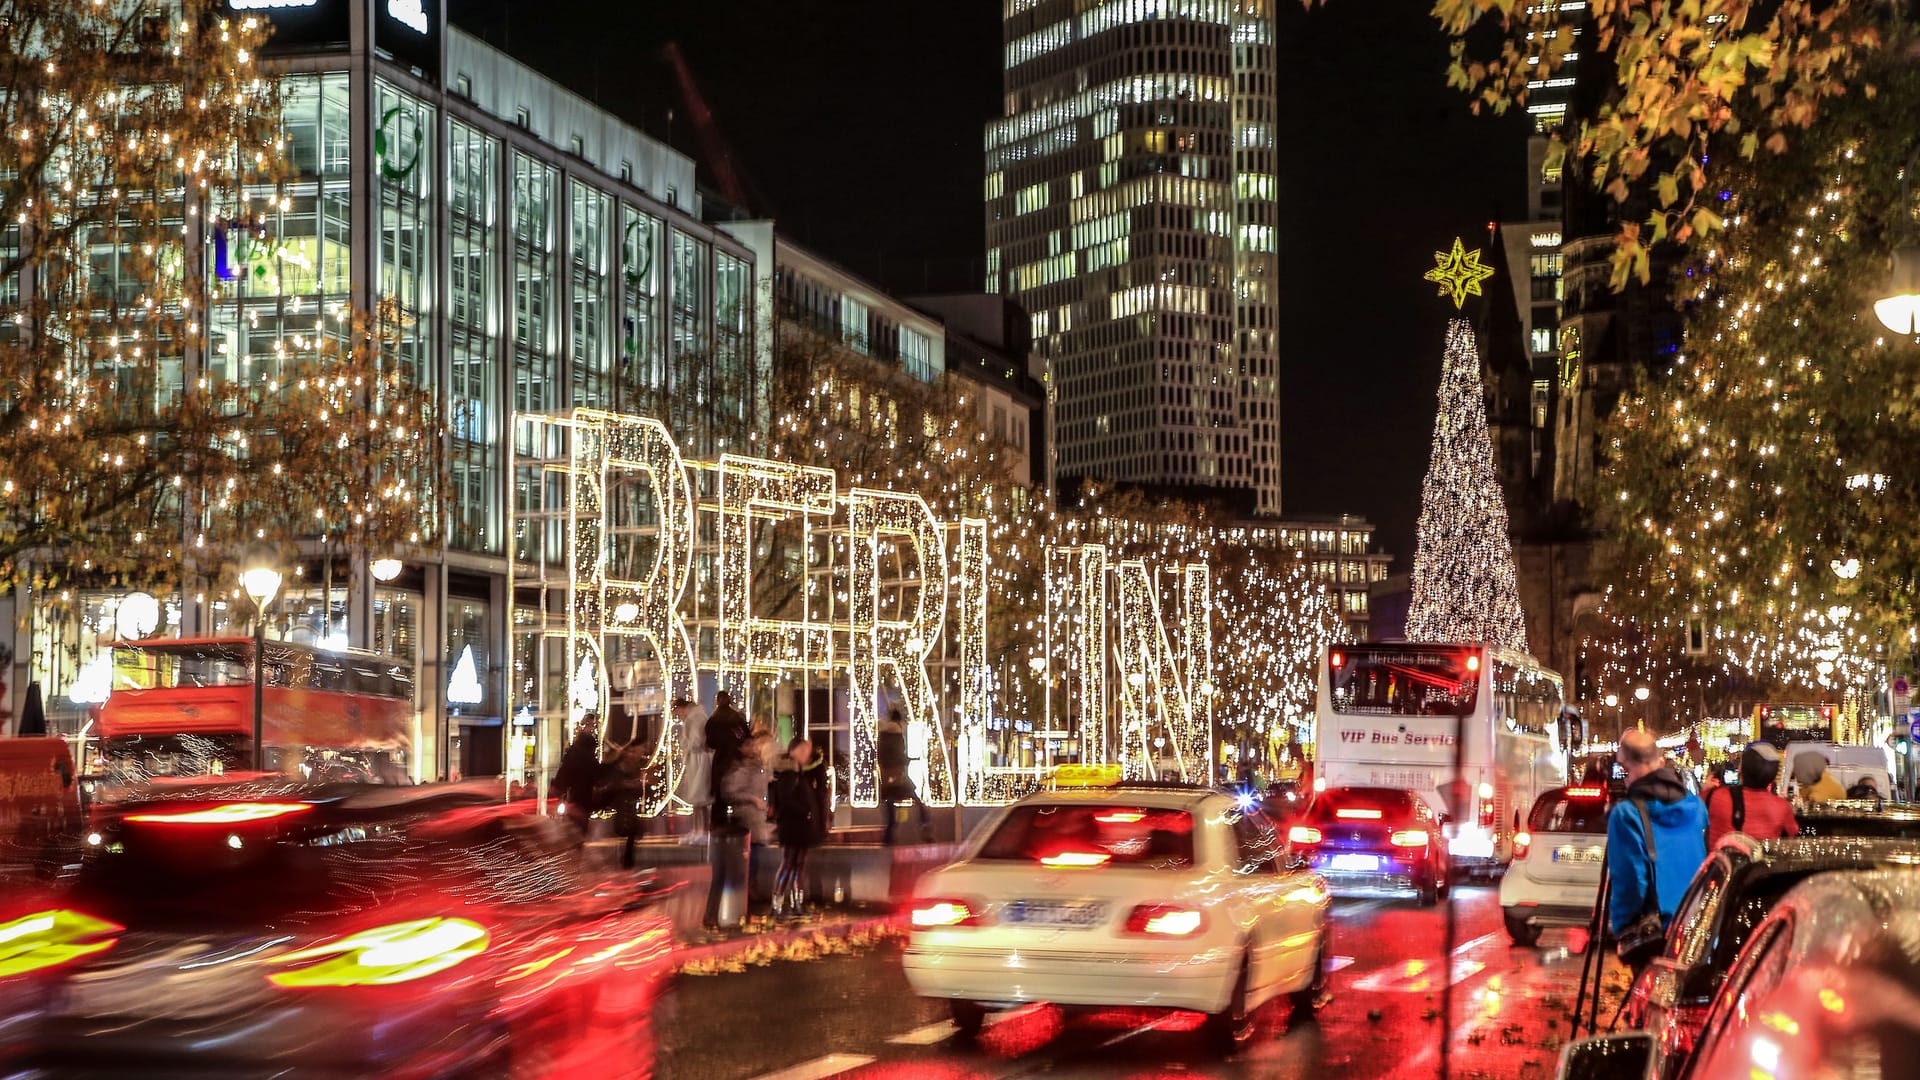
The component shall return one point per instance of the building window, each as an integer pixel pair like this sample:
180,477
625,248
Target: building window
590,258
1541,338
916,354
643,375
474,298
853,325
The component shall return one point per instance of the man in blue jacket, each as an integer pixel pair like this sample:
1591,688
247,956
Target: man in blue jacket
1679,835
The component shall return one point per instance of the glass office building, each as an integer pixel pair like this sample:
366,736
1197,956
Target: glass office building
525,250
1131,209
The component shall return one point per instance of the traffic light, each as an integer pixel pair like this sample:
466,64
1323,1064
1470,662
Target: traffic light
1901,740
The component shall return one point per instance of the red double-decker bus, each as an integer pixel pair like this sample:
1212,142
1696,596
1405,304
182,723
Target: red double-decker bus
184,706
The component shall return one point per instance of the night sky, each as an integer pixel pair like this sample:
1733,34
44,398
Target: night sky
858,122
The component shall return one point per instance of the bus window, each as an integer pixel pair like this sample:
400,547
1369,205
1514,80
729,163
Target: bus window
1403,682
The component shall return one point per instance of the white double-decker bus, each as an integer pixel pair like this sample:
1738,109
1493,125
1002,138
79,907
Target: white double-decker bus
1406,715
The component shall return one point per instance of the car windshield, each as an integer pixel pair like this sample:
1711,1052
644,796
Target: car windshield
1559,812
1362,804
1094,835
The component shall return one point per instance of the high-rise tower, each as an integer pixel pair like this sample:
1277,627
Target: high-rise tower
1130,208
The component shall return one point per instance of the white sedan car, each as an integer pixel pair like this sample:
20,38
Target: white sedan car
1150,896
1555,875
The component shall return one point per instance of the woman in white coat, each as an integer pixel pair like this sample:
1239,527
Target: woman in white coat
696,764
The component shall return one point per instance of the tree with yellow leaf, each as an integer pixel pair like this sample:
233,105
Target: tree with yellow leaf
131,450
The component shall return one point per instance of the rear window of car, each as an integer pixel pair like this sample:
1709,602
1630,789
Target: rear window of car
1094,835
1558,812
1363,803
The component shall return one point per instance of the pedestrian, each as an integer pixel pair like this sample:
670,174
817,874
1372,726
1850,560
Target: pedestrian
1816,784
1750,806
799,797
896,782
744,789
1865,788
579,768
695,788
626,786
726,732
1656,839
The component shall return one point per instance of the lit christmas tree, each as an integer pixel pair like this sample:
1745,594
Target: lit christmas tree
1464,586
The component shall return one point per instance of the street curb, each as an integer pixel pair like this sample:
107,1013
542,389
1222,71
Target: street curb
758,949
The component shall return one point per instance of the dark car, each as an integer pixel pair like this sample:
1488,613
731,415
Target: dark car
1858,817
1371,841
330,931
1734,890
1825,987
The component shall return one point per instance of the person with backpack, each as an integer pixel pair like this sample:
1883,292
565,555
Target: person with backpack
1750,806
1656,839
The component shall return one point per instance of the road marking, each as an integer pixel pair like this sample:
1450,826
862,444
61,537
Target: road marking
1477,942
1416,976
938,1031
821,1067
1337,963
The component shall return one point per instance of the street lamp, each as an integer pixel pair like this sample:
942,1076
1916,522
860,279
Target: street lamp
1641,693
1899,305
385,569
260,577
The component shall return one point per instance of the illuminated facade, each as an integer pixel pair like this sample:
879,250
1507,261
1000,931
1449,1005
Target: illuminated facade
1534,259
1131,209
539,254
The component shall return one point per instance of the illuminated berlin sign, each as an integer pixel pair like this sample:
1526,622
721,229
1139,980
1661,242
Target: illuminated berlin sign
897,563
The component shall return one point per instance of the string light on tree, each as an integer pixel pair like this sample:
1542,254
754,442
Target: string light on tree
1464,584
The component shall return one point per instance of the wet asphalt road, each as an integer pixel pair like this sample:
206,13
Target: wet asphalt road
855,1018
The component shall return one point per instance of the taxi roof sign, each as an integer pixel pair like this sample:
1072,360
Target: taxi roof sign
1087,776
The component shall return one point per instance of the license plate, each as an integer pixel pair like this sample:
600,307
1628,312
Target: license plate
1076,914
1578,855
1366,863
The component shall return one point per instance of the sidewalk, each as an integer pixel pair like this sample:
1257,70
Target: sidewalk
761,941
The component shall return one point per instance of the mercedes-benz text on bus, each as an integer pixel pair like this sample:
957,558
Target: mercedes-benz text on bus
1408,715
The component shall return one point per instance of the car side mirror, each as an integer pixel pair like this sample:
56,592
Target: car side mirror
1610,1057
1446,819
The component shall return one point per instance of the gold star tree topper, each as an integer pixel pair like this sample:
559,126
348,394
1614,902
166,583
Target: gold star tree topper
1459,272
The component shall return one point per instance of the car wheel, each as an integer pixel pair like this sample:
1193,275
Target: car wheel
1523,933
1227,1029
1308,999
968,1017
1430,889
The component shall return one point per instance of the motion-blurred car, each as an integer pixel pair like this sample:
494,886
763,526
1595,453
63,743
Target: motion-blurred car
337,931
1741,881
1368,841
1854,817
1827,986
1126,896
1555,876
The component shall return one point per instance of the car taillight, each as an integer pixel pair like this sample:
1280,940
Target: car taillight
1067,860
238,813
1410,838
50,938
1486,806
395,953
1357,815
1521,842
1585,792
1303,834
1165,920
934,913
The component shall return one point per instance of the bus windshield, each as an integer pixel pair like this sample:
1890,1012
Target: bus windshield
1385,680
